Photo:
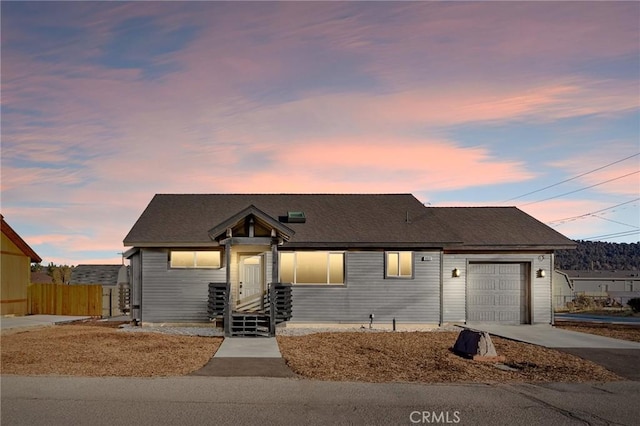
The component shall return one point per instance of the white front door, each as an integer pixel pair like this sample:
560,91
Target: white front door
250,276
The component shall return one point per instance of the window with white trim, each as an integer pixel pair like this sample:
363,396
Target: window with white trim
399,264
312,267
194,259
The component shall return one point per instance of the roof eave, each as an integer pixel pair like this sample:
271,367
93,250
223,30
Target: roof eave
516,247
370,244
167,244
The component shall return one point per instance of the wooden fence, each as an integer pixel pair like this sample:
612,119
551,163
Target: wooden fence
63,299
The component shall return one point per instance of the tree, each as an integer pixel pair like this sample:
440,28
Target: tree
61,274
598,255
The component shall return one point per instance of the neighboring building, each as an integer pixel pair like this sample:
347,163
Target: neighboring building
616,285
106,275
17,258
600,282
109,276
562,289
347,256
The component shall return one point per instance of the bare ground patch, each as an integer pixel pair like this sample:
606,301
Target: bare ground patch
616,331
426,357
86,350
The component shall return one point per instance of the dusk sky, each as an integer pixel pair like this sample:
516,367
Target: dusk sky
105,104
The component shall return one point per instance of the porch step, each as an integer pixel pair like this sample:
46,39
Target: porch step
249,324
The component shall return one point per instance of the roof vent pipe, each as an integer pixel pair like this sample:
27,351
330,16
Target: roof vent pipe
407,219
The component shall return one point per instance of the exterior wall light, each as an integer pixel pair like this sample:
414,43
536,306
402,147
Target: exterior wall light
541,273
455,273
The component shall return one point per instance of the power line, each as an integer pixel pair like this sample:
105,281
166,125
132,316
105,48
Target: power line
592,213
619,223
616,235
581,189
573,178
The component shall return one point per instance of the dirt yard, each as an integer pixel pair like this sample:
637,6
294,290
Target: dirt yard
426,357
90,350
94,350
616,331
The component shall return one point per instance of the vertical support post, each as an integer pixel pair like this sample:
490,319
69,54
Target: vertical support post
274,257
228,308
441,255
552,284
274,279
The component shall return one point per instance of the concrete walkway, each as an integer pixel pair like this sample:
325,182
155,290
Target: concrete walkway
246,357
249,347
551,337
29,321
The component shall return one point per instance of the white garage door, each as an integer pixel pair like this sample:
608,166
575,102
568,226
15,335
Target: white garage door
497,292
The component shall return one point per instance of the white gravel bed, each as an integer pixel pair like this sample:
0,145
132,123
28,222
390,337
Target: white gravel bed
280,331
183,331
284,331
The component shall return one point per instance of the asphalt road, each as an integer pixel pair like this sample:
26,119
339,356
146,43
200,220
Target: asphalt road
609,319
239,401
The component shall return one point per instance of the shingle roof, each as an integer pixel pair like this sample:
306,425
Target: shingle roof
343,220
95,274
497,227
19,242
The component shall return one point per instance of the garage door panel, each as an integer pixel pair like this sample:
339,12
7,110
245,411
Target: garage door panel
483,268
513,269
508,301
509,317
485,284
486,316
496,292
510,285
483,300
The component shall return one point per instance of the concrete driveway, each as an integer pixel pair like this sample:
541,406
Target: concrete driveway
620,356
30,321
551,337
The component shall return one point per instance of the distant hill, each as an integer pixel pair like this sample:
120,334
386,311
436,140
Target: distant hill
600,256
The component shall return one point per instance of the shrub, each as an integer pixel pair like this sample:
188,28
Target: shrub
584,302
635,304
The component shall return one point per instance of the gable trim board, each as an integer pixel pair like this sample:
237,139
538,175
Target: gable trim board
363,227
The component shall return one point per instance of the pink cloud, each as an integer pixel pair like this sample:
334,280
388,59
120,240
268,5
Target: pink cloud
586,226
584,162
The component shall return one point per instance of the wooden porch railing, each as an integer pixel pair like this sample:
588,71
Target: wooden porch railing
275,303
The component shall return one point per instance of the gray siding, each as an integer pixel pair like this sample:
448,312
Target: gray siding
414,300
600,286
135,283
540,299
453,288
174,295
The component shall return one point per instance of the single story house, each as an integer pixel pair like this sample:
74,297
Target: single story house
17,258
350,259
